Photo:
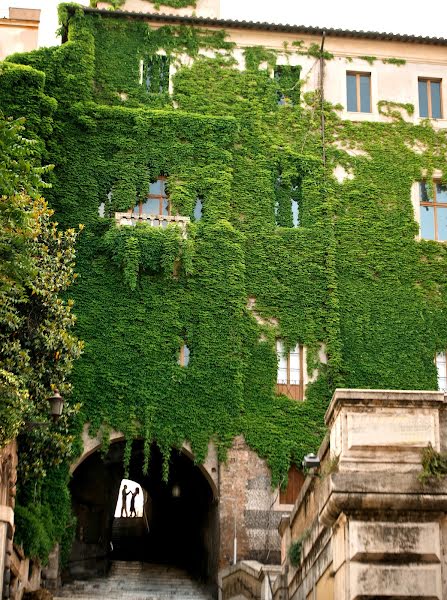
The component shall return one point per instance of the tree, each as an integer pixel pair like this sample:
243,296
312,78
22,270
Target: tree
36,268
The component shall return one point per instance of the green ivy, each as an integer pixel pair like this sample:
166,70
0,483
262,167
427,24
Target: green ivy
351,276
171,3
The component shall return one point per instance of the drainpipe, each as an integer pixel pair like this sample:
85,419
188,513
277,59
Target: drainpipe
323,141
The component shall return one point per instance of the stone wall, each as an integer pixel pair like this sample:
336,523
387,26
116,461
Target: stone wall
248,508
368,526
8,475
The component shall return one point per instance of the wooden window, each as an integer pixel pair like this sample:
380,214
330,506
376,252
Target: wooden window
430,100
183,359
433,211
289,379
295,480
358,92
157,201
441,366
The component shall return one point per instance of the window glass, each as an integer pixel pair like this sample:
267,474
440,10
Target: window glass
295,366
351,93
423,192
423,99
165,206
442,371
295,213
435,89
427,223
151,207
156,187
282,363
185,355
198,208
441,192
441,217
365,93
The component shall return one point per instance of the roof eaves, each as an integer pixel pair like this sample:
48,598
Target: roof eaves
286,28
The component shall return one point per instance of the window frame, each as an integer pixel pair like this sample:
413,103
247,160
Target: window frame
438,354
160,197
429,80
358,74
432,204
291,390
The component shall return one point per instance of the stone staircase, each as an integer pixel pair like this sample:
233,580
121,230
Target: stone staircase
136,581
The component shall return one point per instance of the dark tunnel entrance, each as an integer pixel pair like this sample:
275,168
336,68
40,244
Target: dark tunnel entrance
179,526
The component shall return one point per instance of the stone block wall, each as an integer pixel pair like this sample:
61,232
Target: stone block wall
368,526
248,508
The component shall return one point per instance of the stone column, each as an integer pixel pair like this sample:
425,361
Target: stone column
367,524
386,524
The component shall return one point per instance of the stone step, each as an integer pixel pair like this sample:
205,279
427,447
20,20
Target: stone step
136,581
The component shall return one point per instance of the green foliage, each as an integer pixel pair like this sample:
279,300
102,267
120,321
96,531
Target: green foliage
394,109
294,553
34,531
434,465
369,59
296,548
352,277
171,3
315,51
398,62
37,348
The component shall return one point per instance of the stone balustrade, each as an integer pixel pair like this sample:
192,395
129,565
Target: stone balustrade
127,218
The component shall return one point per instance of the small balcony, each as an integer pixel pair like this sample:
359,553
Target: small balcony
130,218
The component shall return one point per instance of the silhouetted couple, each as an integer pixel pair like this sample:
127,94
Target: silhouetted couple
124,494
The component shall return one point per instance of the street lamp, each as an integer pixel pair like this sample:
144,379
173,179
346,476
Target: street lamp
56,405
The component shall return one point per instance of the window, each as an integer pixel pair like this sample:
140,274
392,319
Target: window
295,480
183,359
287,206
358,92
433,211
157,202
287,78
289,380
430,98
198,209
442,371
155,74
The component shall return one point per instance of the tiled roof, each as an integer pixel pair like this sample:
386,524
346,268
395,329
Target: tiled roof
256,25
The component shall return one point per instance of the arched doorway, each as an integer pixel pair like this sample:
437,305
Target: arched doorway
180,525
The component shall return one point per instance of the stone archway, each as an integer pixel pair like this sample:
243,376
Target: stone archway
183,528
209,468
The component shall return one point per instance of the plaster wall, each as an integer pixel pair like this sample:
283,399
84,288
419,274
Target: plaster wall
19,31
203,8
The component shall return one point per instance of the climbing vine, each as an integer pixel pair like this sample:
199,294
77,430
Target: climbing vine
347,278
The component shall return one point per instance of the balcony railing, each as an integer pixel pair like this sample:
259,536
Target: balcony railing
127,218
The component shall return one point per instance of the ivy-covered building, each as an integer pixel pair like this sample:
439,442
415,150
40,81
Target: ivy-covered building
265,211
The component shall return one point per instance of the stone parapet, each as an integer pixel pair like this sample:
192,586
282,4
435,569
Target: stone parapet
366,524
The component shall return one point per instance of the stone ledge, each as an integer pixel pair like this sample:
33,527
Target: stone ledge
347,502
382,399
